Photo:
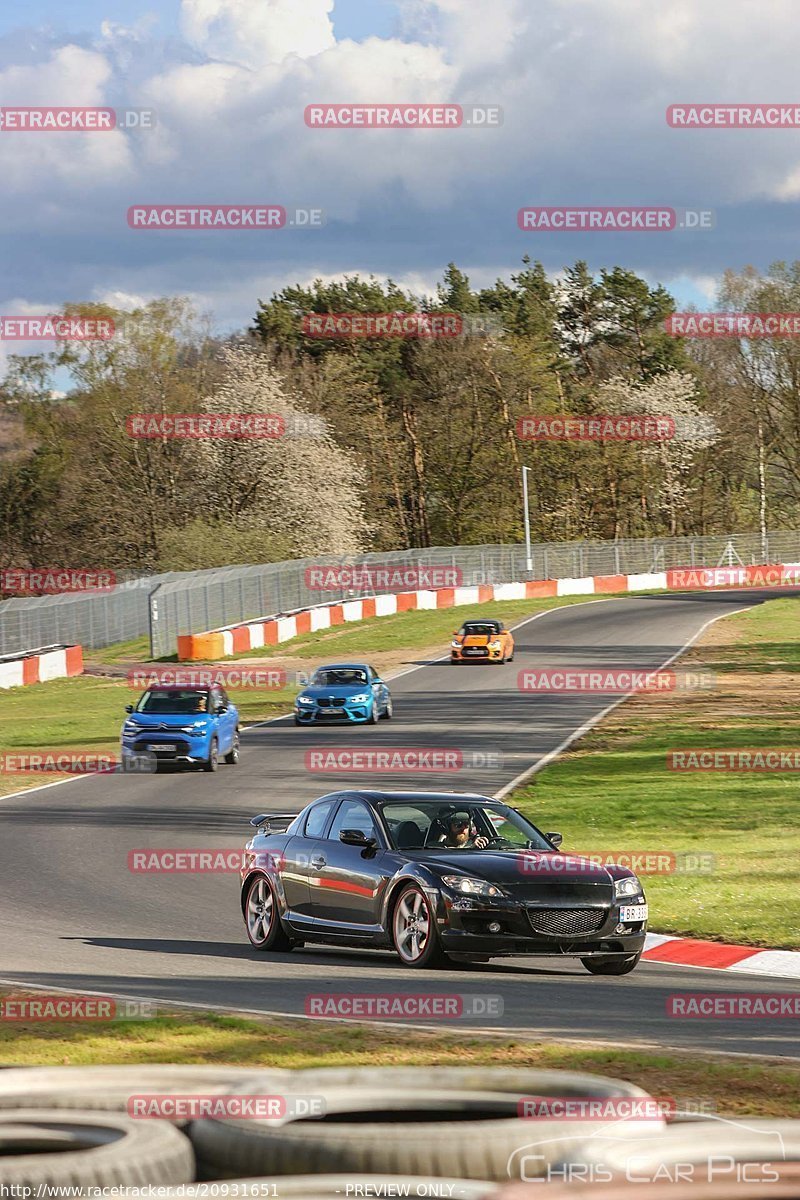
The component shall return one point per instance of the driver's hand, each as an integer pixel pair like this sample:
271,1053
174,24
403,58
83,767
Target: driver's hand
481,843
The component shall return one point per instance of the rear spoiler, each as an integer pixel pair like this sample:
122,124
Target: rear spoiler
270,822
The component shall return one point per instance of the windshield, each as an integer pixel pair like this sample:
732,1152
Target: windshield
341,677
178,701
421,824
478,630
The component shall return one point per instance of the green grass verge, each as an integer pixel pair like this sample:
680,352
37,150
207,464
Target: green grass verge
740,1087
615,792
415,630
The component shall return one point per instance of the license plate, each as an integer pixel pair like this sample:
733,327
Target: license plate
469,650
329,710
633,912
163,746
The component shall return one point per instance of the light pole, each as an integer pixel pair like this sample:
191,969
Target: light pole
529,559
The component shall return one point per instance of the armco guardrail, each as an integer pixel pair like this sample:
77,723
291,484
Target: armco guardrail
170,604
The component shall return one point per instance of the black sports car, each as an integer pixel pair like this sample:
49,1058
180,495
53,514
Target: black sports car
434,875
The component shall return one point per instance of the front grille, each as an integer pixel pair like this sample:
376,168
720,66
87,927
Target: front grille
566,922
333,702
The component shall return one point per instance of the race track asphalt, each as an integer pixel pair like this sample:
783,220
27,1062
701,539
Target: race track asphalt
74,916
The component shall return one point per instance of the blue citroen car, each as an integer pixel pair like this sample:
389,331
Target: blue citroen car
189,725
341,692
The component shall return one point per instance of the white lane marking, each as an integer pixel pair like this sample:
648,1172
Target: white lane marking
541,763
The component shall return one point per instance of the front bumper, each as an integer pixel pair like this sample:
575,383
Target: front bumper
342,715
476,654
166,747
463,924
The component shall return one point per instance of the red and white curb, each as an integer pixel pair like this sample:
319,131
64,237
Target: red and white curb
716,956
38,668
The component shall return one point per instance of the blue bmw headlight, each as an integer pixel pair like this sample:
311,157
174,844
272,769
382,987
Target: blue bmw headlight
304,700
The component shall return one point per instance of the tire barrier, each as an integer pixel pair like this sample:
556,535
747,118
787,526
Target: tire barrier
416,1131
42,1149
416,1120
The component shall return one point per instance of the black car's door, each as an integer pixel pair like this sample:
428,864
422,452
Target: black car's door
348,882
298,857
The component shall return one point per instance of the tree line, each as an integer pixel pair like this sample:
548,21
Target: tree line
396,442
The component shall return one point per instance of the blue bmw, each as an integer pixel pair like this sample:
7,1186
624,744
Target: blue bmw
342,692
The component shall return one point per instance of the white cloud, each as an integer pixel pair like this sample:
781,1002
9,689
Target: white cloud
257,32
584,87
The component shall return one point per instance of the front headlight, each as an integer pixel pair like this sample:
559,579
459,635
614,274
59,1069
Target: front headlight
304,700
467,886
455,645
131,727
627,887
495,645
361,698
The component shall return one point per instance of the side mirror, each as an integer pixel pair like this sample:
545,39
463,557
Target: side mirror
128,708
377,681
356,837
555,838
221,708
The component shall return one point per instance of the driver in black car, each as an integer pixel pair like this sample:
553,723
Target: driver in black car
460,833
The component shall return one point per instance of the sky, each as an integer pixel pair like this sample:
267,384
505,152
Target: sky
583,87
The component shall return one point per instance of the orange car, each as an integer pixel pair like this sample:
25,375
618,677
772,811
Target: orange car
482,641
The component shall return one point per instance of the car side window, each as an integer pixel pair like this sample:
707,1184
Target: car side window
317,819
352,814
373,675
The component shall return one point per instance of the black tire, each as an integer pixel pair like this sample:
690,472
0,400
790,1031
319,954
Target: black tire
265,933
212,762
232,757
412,901
373,717
387,716
402,1131
618,965
45,1149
